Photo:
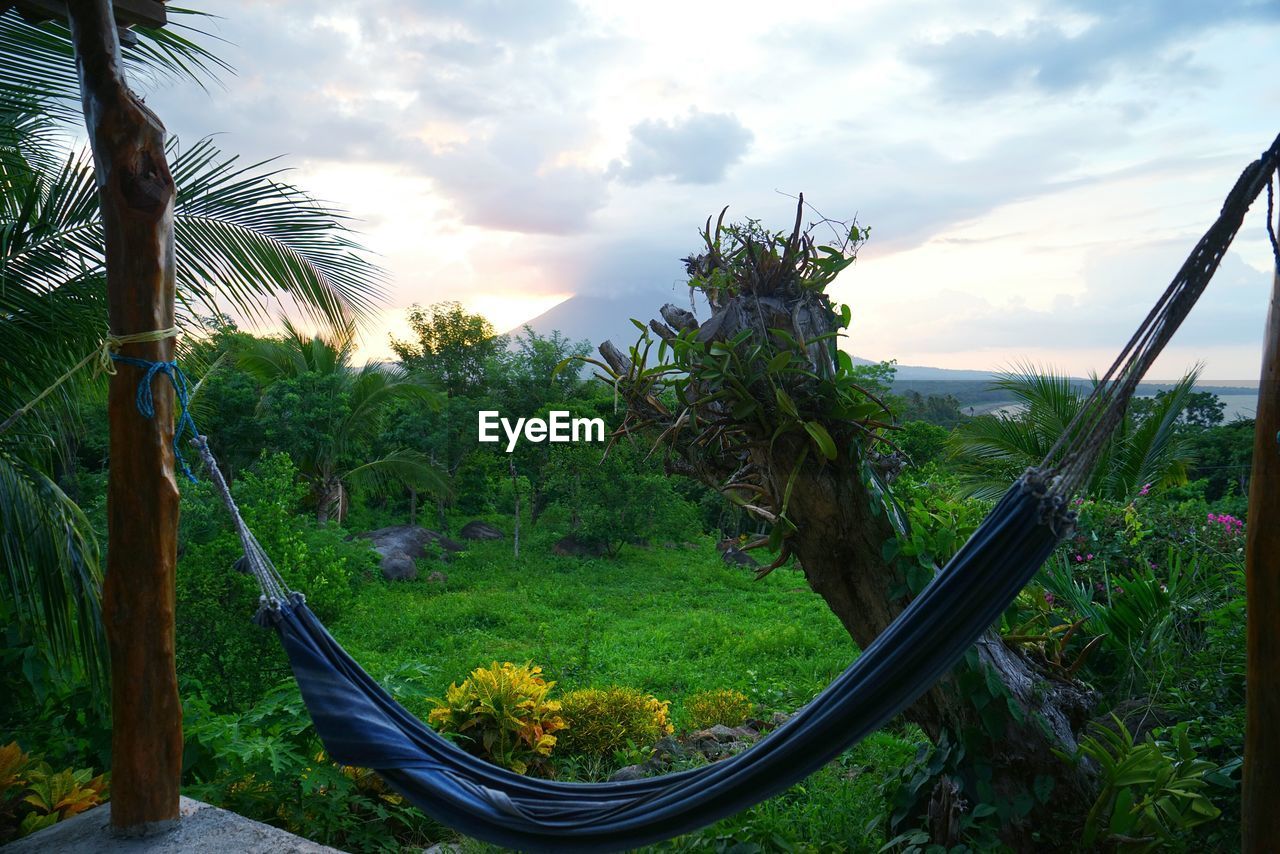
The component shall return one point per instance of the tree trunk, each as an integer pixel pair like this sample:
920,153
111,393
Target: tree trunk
137,196
331,501
839,544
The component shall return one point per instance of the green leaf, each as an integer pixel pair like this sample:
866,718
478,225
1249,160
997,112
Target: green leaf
786,404
778,362
822,439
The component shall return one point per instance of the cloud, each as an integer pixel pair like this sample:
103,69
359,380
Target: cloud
1056,55
1121,287
697,149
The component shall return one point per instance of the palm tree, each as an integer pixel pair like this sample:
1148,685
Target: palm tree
243,235
990,451
332,412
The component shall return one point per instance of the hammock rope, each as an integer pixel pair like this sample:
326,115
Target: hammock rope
360,724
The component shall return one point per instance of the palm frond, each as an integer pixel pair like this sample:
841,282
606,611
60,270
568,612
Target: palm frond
37,61
990,451
243,234
396,469
50,567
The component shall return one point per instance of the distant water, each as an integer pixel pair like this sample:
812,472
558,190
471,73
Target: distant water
1234,406
1239,406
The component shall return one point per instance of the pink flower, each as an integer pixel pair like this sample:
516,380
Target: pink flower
1088,557
1146,487
1048,598
1079,558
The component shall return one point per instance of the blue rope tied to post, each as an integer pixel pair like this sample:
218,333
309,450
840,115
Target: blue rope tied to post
147,406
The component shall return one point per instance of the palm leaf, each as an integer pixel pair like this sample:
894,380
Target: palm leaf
50,566
37,61
399,468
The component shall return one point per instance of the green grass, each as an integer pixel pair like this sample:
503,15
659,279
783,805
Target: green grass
671,622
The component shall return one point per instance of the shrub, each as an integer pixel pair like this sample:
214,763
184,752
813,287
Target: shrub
501,713
721,706
220,650
600,721
33,796
267,763
1151,790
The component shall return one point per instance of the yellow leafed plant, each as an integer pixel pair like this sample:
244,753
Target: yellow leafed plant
602,720
722,706
501,713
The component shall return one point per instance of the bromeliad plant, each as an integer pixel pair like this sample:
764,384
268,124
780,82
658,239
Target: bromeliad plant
501,713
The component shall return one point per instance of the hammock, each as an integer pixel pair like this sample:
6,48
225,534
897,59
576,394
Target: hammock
361,725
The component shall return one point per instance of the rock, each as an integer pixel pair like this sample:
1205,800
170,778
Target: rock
477,530
629,772
573,546
412,540
777,719
398,566
400,545
669,749
438,578
734,556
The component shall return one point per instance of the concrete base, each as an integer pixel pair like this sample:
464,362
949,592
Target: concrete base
200,828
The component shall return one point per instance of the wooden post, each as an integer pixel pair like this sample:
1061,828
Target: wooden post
137,194
1261,788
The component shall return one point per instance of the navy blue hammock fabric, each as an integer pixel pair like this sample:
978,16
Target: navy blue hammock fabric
361,725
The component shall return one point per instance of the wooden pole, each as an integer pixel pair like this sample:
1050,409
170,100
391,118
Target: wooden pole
137,195
1260,794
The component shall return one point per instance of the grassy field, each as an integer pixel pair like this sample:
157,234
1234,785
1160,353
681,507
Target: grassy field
670,621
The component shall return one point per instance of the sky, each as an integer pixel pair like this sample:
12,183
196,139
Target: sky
1033,173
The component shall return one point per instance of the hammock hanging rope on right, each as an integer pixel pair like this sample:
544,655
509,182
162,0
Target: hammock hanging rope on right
361,725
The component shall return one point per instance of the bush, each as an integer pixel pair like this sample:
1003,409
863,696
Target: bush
600,721
220,650
1151,790
267,763
33,796
722,706
501,713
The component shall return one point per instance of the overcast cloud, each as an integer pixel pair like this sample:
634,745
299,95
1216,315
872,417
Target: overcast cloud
1032,178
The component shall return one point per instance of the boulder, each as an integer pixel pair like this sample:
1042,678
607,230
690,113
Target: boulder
735,556
412,540
477,530
400,543
449,545
398,566
629,772
573,546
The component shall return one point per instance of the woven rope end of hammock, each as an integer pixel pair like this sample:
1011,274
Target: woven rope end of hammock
1054,495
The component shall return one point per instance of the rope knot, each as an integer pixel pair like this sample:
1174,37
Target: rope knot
144,399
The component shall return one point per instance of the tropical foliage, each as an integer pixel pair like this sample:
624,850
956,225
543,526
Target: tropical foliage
327,413
502,713
243,236
1145,451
